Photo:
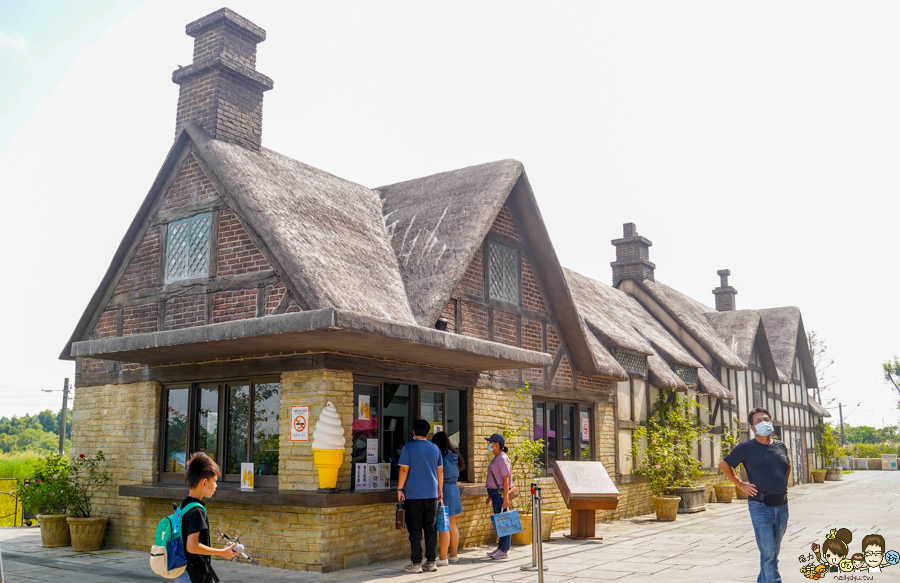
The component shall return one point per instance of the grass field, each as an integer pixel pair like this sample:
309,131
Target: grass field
16,466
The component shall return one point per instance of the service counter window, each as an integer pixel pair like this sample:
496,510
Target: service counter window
383,415
233,422
566,429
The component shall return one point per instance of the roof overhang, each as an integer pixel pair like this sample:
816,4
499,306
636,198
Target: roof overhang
316,330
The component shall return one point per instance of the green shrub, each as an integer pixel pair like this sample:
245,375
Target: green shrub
49,489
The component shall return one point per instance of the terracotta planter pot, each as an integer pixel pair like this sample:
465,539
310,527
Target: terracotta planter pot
693,498
818,477
524,537
666,507
87,533
834,474
725,493
54,530
547,517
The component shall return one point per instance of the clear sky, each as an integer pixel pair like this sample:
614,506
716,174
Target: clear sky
760,137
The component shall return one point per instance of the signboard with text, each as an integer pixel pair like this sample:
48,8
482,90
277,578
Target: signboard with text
299,422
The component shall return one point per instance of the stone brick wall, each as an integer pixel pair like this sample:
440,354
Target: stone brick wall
191,186
237,252
233,305
122,421
143,270
314,388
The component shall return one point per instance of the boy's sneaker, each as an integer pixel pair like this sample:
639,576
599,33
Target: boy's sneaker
428,566
500,555
442,562
493,552
453,559
413,568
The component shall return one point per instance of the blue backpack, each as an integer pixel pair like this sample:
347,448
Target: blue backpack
167,556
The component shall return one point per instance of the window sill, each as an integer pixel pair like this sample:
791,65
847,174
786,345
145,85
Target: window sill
262,496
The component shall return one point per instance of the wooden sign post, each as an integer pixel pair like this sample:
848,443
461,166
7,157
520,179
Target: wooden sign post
586,488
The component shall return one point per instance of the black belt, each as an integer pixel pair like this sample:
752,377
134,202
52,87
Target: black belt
771,498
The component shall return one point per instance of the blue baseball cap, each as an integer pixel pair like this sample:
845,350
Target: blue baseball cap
497,438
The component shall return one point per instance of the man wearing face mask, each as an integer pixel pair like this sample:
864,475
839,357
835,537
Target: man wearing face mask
768,470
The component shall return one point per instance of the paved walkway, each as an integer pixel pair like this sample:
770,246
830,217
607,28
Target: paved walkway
712,546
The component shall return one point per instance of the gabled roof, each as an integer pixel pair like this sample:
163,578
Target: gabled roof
787,337
689,313
817,409
620,322
741,330
436,224
336,257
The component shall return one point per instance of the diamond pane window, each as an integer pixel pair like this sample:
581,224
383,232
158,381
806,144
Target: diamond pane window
503,273
757,395
187,248
687,374
632,362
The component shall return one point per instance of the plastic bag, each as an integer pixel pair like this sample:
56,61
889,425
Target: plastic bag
442,517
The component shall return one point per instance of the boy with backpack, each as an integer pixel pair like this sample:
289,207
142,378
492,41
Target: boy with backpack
202,475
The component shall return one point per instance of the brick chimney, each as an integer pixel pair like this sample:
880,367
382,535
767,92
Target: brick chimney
724,293
632,256
221,90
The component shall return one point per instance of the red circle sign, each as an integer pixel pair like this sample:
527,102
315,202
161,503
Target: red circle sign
300,423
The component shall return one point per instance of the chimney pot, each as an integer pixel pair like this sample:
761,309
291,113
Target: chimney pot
725,300
632,256
221,90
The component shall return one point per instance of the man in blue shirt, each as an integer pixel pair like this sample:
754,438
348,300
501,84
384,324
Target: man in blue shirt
420,485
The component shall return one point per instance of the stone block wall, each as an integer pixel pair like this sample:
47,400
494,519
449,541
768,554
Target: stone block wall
314,388
121,421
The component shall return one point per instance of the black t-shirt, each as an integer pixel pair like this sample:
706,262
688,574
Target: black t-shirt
198,567
767,465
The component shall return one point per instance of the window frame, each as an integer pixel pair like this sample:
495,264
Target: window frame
560,403
415,408
191,430
487,272
167,279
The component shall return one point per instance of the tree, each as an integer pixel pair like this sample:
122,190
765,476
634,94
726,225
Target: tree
863,434
819,352
891,370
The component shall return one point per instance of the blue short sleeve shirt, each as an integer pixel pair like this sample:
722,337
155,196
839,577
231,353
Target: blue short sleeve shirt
423,459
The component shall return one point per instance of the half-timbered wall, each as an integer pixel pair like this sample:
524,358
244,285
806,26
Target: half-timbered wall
240,282
526,324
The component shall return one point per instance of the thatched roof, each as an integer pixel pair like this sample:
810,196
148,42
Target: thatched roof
787,337
688,312
708,384
436,224
817,409
620,322
741,330
337,256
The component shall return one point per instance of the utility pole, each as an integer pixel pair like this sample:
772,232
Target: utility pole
64,418
840,412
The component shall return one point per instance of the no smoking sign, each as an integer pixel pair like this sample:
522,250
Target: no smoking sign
299,422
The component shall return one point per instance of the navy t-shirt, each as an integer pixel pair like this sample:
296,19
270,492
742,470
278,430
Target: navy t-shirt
423,459
767,465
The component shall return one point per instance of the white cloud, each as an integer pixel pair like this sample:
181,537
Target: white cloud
15,41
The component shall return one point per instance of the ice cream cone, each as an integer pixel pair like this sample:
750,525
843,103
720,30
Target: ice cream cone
328,446
328,462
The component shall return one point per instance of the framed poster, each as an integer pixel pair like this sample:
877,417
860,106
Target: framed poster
299,422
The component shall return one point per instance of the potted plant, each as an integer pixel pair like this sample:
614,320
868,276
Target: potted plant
725,490
829,447
818,476
655,463
86,479
525,458
47,494
677,412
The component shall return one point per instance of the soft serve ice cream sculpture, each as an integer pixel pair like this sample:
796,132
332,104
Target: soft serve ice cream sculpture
328,446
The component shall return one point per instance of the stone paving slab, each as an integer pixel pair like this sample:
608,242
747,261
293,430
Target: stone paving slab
706,547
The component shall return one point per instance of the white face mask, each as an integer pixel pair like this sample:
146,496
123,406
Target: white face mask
360,444
764,428
490,446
